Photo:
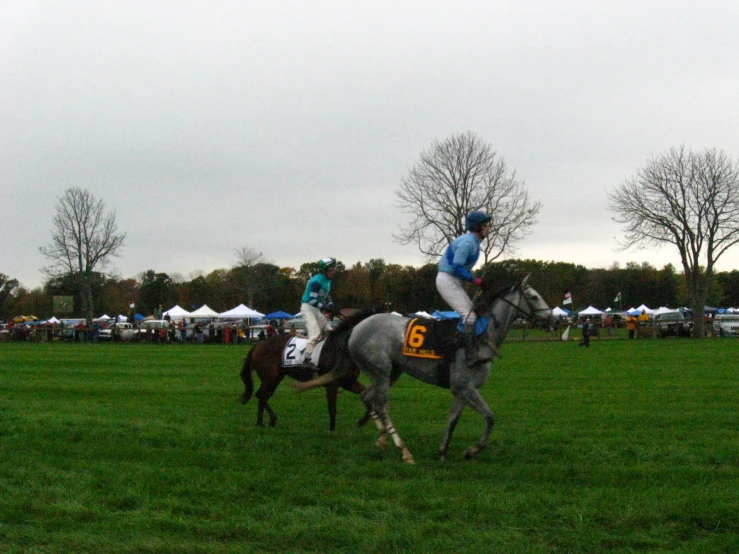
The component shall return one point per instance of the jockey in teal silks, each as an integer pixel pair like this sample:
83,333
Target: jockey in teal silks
317,299
455,268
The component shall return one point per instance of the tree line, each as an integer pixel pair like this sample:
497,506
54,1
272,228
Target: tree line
267,287
683,198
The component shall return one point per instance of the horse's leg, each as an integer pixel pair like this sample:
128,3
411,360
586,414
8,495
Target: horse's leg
265,392
385,424
477,403
332,391
393,432
457,407
359,388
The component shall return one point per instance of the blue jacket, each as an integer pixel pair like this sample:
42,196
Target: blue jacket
461,256
317,291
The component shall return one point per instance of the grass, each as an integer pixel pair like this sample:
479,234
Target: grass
630,445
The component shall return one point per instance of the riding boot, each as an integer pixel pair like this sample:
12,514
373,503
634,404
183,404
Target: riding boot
471,347
307,364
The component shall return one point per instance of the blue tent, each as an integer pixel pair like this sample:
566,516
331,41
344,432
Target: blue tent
138,317
279,315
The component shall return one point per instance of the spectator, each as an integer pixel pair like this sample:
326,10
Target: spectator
631,324
585,333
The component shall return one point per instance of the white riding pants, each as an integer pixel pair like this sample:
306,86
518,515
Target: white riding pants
452,291
315,325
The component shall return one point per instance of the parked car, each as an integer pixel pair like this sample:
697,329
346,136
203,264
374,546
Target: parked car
672,324
726,325
124,331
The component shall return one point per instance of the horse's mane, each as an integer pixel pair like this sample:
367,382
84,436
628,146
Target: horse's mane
348,323
488,295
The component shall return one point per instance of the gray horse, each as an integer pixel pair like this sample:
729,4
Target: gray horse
376,347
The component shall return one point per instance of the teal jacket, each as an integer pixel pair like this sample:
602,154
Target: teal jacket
317,292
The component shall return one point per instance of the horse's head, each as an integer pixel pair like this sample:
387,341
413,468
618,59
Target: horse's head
522,300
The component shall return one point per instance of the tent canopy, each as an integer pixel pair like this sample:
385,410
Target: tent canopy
177,312
645,308
590,310
203,311
664,310
559,312
279,315
239,312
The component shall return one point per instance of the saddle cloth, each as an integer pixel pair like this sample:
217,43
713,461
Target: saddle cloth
429,338
293,354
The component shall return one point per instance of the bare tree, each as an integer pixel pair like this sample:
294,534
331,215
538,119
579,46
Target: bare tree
246,277
689,200
454,177
84,238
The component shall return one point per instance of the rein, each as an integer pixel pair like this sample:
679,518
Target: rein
531,314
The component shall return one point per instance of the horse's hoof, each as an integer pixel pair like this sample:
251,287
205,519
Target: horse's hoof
442,457
409,460
471,452
273,423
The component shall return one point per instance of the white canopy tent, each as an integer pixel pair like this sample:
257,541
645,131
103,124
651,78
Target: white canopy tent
241,312
645,308
177,313
559,312
590,310
52,319
664,310
203,311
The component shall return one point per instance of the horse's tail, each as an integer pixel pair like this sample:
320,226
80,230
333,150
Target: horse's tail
247,378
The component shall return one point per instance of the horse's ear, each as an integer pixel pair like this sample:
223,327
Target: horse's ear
525,280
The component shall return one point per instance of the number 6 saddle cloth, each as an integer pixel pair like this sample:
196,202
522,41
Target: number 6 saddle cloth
430,339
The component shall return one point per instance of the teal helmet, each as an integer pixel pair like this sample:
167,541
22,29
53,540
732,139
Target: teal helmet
475,220
324,264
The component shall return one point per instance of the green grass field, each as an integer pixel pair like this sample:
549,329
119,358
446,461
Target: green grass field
630,445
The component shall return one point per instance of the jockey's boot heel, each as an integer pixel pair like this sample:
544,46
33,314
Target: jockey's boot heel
471,349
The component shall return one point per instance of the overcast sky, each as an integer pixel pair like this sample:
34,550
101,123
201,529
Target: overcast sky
286,127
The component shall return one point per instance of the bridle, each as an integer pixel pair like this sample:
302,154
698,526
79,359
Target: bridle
530,313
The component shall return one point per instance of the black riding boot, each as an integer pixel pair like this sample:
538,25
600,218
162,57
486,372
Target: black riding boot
471,347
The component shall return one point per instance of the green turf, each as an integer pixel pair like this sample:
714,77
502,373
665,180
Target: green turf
628,445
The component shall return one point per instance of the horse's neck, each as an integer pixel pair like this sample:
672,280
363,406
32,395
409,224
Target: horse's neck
502,316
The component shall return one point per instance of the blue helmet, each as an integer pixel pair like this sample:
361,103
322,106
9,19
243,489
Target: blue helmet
476,219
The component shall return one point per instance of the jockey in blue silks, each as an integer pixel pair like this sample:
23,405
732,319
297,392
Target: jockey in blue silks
317,299
455,268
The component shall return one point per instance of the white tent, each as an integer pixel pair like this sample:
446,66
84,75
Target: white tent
52,319
203,311
559,312
122,318
664,310
241,312
643,307
177,313
590,311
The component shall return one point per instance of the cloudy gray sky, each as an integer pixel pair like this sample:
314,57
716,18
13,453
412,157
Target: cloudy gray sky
286,126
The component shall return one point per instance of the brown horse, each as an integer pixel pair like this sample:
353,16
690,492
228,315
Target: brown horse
265,358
